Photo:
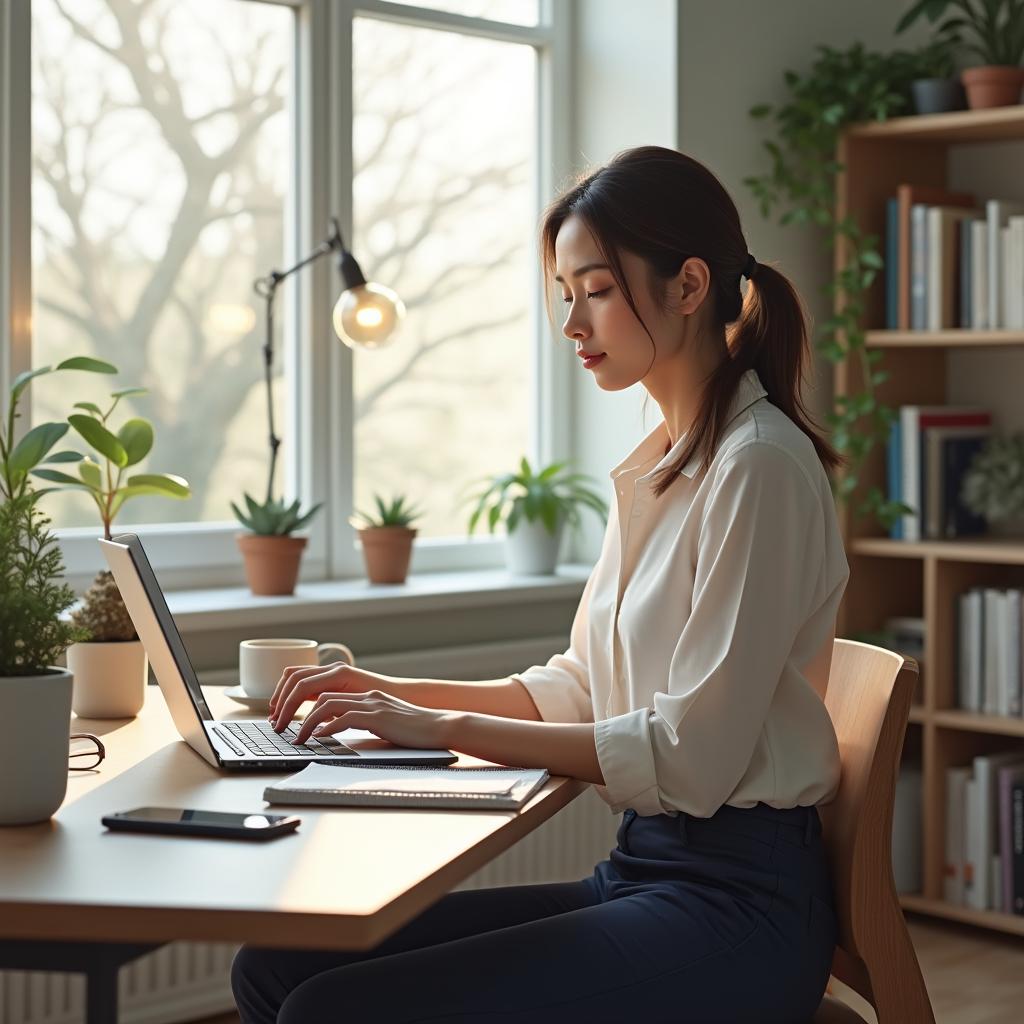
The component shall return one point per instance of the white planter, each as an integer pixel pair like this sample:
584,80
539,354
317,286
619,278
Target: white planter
110,678
530,550
35,715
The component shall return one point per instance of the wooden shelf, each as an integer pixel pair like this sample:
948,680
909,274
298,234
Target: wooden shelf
995,125
890,578
957,338
955,718
1012,923
993,550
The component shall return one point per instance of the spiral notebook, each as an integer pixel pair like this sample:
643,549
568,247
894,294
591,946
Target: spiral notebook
492,786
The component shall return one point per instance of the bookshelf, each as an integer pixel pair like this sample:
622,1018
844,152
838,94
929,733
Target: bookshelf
898,578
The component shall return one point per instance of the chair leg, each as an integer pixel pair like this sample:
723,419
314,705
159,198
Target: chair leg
898,989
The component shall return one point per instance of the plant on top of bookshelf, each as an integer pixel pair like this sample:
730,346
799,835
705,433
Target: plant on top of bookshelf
993,486
841,87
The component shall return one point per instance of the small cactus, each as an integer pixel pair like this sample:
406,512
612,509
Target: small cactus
103,612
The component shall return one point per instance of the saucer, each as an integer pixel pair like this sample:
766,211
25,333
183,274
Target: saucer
253,703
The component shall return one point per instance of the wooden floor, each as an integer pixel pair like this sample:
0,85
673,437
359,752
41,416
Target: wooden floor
973,976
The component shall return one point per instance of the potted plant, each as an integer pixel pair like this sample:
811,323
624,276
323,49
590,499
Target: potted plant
539,505
33,635
937,87
111,668
993,486
992,29
387,540
270,552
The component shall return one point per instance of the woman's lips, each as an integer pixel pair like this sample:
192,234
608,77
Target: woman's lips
589,361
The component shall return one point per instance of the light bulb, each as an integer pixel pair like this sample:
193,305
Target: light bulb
366,316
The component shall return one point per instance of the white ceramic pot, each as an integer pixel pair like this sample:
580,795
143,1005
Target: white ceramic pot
35,714
530,550
110,678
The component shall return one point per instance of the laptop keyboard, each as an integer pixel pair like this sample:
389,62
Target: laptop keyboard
260,738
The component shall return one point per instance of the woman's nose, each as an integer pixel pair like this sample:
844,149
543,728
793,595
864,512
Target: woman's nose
574,327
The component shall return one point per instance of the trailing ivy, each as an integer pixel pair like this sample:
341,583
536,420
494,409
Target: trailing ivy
842,87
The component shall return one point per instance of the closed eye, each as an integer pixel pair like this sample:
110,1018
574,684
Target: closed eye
592,295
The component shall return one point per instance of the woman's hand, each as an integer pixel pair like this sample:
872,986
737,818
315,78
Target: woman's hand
300,683
390,718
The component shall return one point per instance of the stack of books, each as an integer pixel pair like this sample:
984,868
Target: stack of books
984,857
989,660
930,448
952,261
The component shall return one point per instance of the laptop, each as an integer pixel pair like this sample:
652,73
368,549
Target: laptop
233,745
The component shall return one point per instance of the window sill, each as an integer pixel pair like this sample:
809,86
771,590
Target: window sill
228,607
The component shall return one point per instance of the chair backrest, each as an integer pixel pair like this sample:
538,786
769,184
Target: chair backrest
868,698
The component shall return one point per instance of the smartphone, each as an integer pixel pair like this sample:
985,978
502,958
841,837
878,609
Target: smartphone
184,821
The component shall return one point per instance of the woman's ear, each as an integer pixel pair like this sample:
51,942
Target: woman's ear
690,286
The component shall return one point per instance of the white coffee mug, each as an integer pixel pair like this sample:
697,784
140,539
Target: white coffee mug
261,663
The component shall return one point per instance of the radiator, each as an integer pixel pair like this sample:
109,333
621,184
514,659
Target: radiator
187,981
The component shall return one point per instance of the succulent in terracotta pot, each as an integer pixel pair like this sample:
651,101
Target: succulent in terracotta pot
386,539
271,554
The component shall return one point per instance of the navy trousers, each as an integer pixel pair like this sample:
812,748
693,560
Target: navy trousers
723,919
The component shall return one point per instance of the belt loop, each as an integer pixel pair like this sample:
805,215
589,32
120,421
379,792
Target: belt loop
809,826
682,827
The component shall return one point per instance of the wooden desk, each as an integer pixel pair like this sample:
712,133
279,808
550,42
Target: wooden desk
347,879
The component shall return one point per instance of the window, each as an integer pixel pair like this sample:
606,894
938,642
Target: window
161,158
444,142
180,149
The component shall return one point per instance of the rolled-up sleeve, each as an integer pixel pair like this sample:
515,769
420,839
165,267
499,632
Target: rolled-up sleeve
758,576
561,688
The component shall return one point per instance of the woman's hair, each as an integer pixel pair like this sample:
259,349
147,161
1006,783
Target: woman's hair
666,207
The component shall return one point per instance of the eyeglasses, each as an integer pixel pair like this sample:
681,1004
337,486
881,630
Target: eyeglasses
85,752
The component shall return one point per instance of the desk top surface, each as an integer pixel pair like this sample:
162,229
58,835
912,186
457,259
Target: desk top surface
347,878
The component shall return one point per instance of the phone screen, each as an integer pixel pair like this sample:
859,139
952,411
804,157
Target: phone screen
223,819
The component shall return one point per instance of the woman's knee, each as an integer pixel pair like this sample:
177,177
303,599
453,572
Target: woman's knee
252,979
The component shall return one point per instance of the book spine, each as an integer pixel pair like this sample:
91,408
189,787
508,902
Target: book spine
1017,801
918,266
965,236
910,460
892,244
979,276
936,287
894,473
994,262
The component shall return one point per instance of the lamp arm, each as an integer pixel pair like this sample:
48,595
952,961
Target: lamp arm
266,287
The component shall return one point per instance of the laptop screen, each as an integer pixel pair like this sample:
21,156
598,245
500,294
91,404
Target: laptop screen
160,637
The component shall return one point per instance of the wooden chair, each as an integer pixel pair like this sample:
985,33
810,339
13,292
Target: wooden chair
868,698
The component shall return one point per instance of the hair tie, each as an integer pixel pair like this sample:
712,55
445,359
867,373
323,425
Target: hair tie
750,268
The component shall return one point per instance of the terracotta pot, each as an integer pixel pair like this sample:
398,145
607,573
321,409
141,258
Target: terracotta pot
387,551
110,678
271,563
992,85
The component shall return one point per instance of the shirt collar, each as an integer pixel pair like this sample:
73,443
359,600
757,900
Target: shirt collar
749,390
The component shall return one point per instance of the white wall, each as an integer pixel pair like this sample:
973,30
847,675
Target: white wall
685,75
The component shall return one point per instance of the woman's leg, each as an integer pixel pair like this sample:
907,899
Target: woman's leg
262,979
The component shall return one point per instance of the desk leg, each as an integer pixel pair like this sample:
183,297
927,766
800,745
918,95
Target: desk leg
99,962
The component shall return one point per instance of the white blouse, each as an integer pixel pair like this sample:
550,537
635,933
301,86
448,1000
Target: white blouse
703,637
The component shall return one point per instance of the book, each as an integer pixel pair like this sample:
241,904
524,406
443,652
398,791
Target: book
906,196
979,276
965,242
892,255
913,420
982,834
941,265
948,452
1008,775
894,475
918,267
953,875
997,214
1017,839
332,785
992,679
972,840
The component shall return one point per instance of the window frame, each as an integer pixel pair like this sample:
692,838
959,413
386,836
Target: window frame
205,554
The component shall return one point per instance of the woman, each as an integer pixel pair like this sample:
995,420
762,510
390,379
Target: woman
692,691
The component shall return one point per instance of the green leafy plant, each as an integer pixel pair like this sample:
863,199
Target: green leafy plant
545,496
106,483
395,514
103,613
841,87
992,29
993,486
33,596
937,59
273,518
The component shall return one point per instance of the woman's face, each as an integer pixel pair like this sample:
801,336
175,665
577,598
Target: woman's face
598,318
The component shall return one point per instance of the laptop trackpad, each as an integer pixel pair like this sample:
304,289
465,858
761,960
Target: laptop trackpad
362,740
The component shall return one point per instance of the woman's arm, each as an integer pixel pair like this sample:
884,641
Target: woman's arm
506,698
562,748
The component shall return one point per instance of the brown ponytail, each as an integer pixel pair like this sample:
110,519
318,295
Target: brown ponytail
666,207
